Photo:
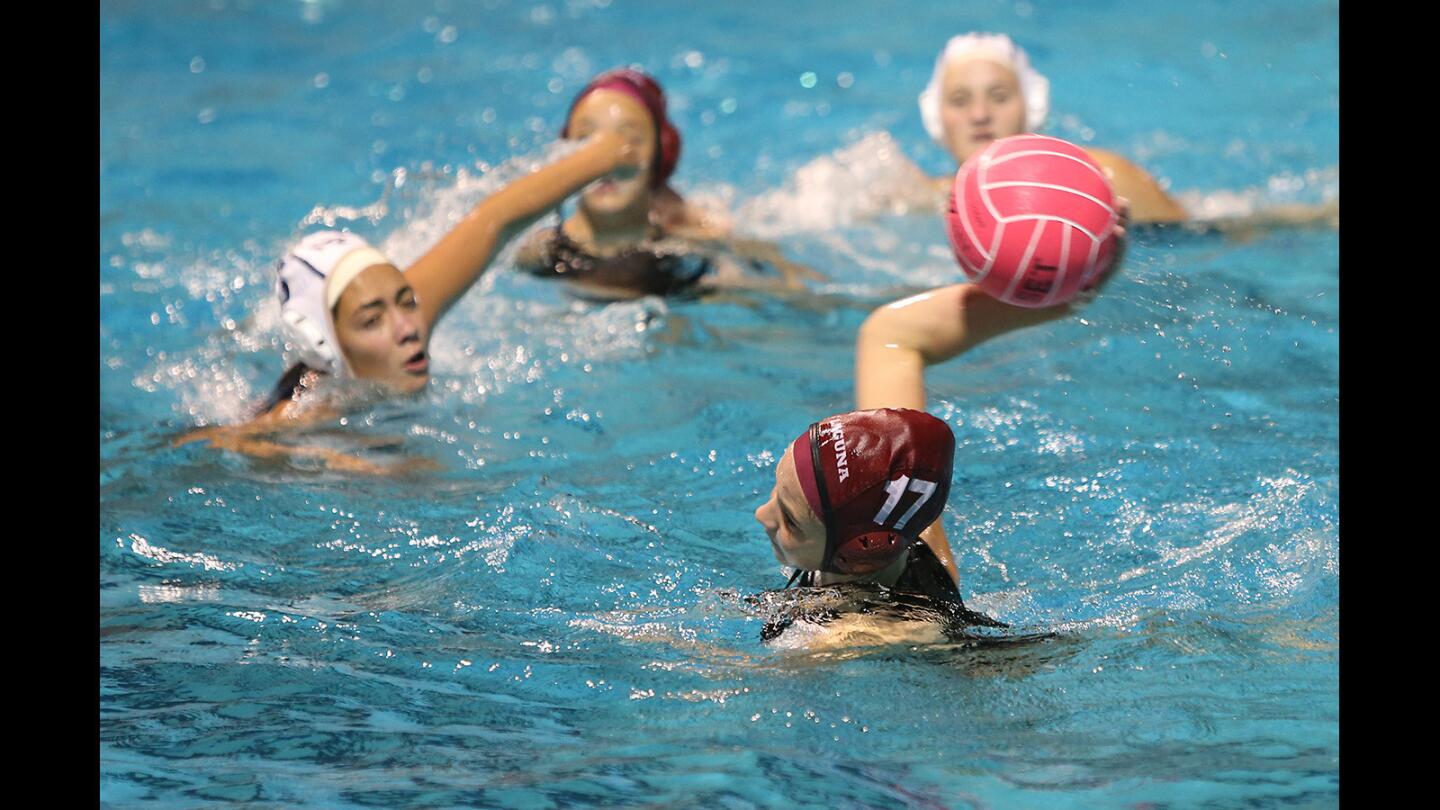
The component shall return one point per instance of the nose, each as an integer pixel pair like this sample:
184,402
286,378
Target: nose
407,327
765,516
980,110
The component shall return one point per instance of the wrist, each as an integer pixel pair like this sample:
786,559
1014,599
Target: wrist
601,151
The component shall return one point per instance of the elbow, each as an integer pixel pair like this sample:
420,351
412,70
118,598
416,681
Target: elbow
885,328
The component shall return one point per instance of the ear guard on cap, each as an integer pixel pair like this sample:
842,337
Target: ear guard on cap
308,280
883,478
304,332
866,553
306,324
860,554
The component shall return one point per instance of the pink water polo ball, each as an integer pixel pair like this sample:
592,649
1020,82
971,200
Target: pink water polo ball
1032,220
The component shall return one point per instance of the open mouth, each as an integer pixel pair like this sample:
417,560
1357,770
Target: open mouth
418,363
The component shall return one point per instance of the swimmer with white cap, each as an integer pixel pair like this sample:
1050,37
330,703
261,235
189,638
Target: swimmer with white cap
984,88
349,312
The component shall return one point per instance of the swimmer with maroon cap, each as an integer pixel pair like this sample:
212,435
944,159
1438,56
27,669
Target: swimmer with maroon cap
632,234
899,340
852,495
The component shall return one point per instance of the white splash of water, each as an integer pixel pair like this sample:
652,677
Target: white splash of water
867,179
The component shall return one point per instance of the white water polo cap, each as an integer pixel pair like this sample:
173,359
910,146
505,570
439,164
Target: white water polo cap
309,280
996,48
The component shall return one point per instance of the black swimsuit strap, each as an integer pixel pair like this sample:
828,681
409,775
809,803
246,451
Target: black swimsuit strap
641,269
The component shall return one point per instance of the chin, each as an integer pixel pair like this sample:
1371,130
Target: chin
607,204
612,202
412,384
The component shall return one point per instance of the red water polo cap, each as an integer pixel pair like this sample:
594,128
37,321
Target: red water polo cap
876,479
647,91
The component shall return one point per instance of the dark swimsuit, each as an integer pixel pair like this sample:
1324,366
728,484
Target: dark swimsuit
924,591
643,271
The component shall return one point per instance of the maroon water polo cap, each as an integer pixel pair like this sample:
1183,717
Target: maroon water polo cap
876,479
647,91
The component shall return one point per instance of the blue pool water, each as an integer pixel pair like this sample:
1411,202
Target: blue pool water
561,615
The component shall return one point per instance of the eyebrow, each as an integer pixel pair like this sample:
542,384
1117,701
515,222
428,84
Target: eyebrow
380,302
995,85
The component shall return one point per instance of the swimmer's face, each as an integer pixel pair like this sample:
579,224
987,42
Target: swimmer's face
796,534
381,331
980,102
628,185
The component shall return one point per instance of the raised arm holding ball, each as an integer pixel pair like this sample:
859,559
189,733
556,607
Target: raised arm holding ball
1034,226
858,496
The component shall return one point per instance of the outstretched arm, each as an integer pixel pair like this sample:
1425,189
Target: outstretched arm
448,269
900,339
701,225
1324,215
256,439
737,260
266,448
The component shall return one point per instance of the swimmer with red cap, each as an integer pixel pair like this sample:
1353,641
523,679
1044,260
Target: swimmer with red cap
632,234
853,494
899,340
